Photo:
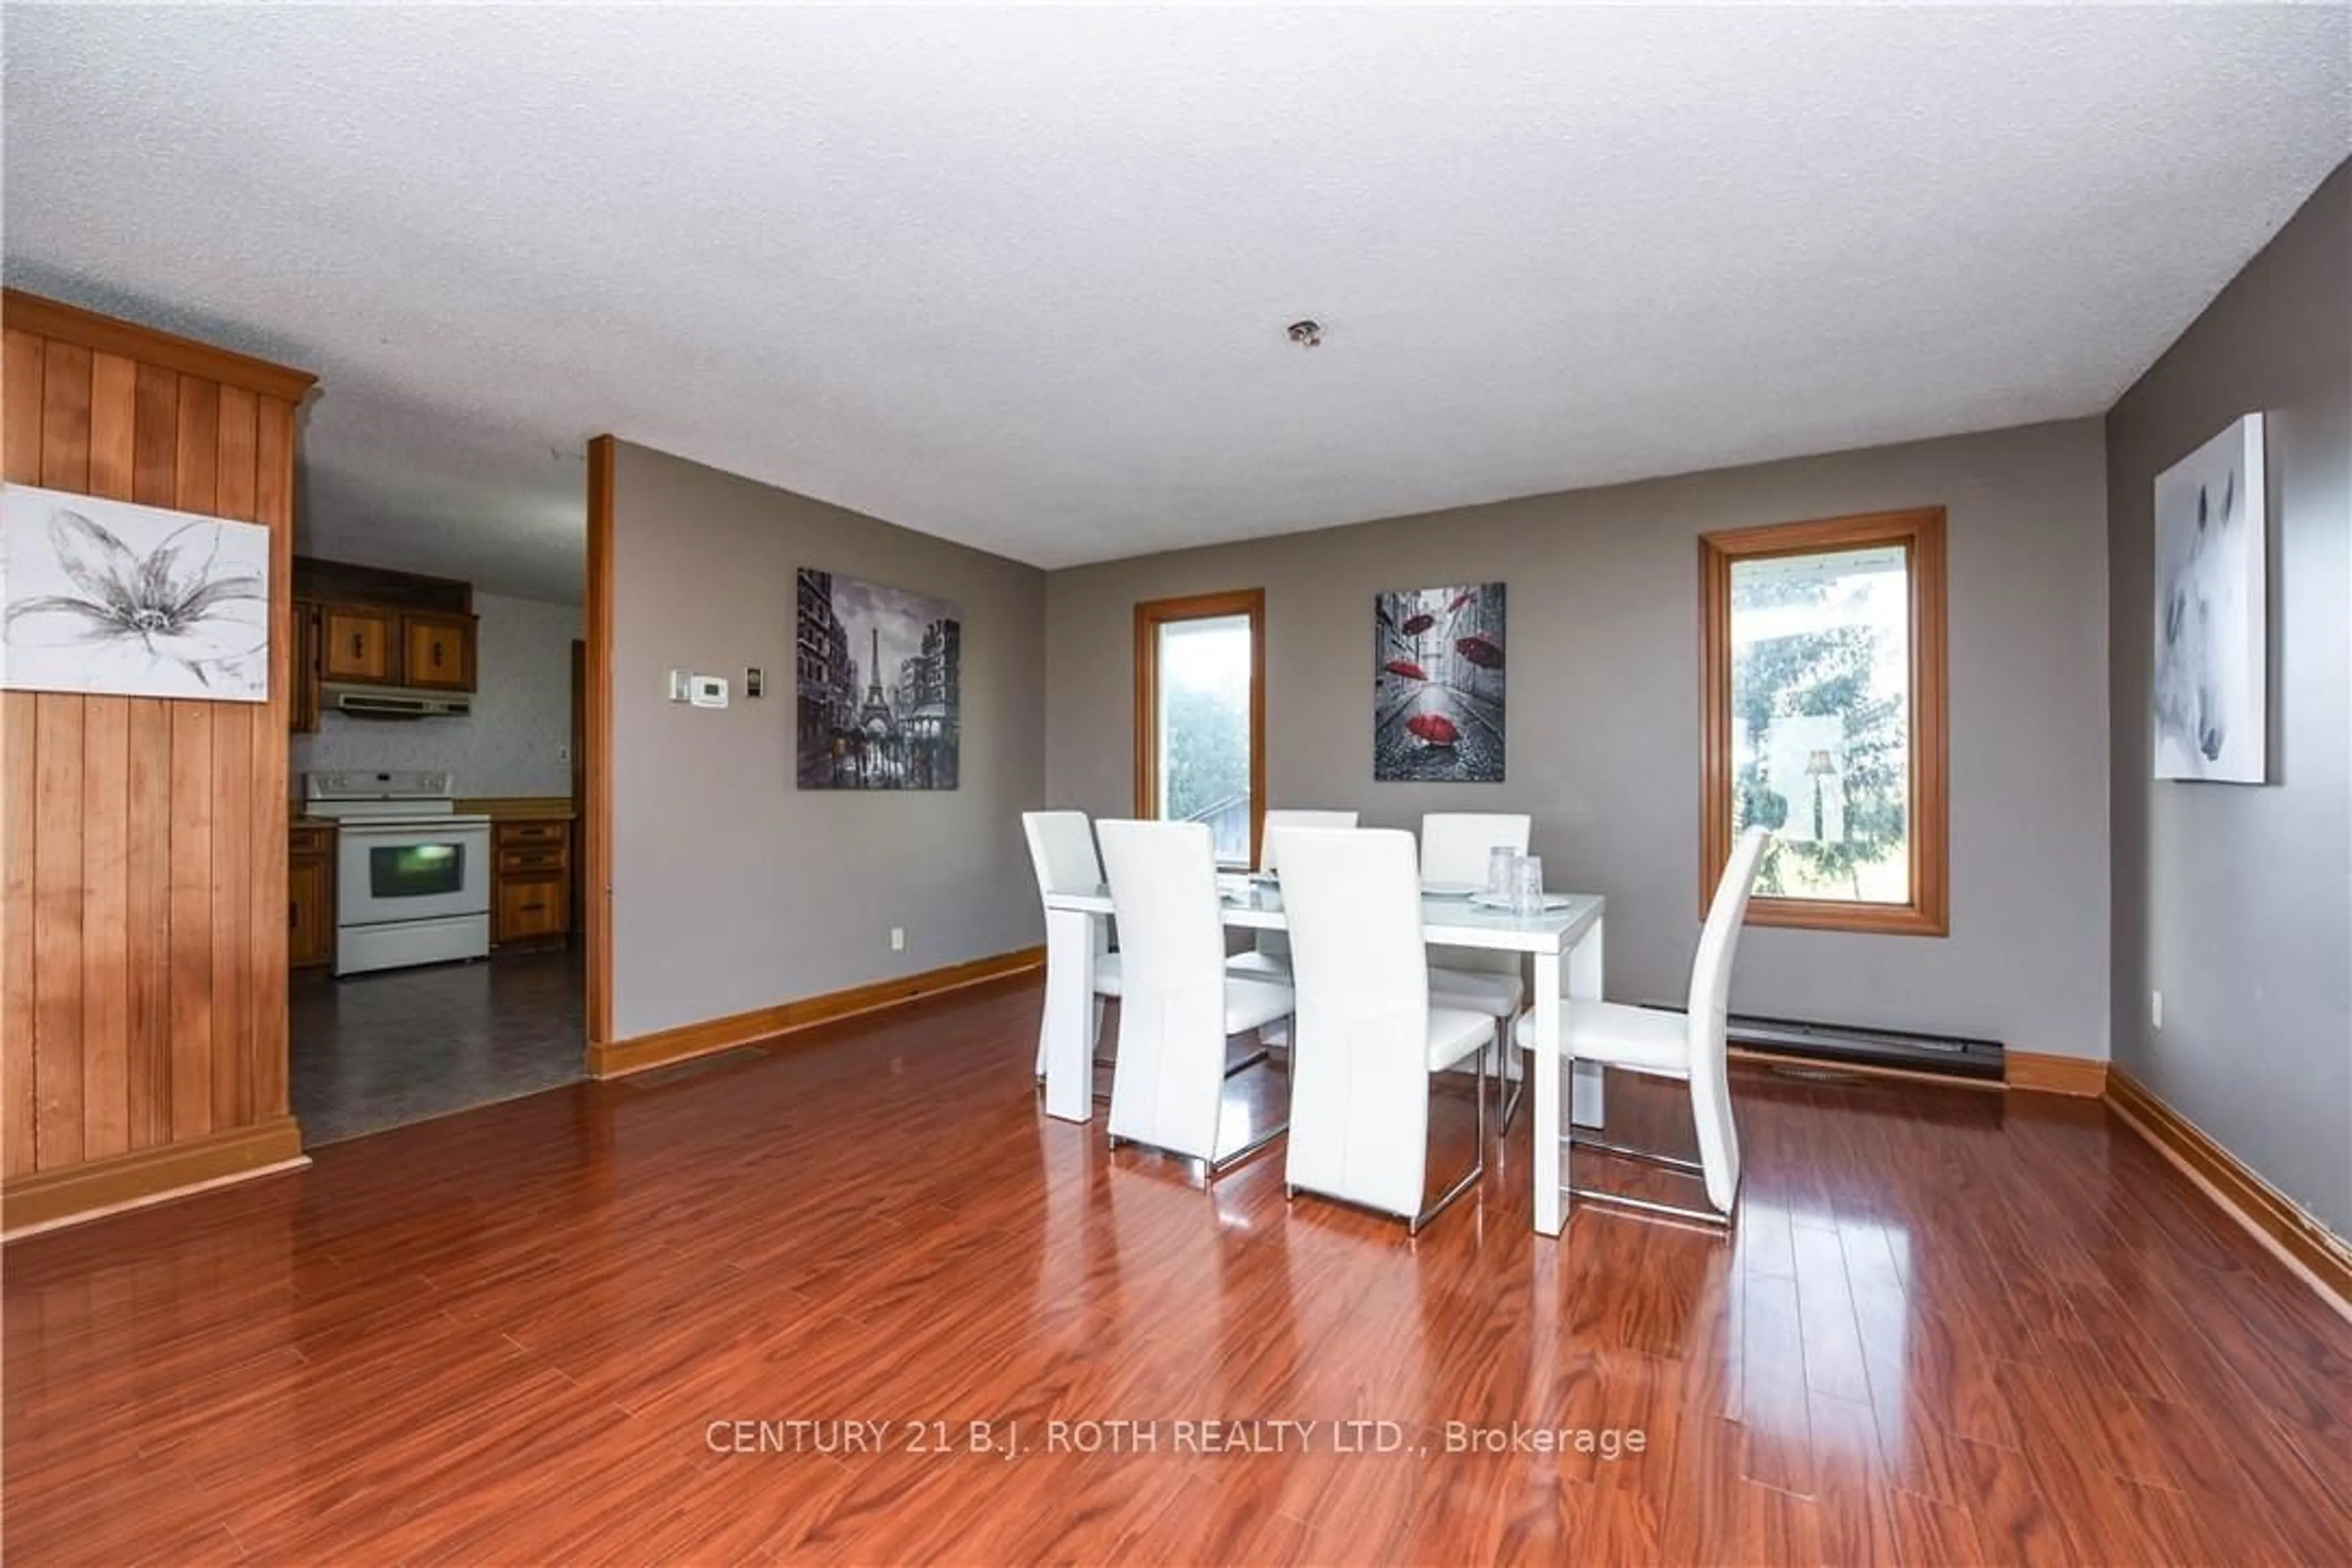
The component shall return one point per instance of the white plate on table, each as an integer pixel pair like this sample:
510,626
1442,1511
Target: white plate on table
1502,902
1449,890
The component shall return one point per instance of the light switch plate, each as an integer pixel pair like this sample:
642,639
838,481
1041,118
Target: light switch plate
707,690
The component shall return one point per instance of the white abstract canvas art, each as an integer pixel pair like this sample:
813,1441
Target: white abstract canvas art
109,598
2211,612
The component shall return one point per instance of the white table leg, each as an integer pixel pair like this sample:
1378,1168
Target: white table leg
1584,984
1069,1014
1549,1204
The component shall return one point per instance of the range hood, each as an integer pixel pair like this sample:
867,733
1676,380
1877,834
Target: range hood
393,702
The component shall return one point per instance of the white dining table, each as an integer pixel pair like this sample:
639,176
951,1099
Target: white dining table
1570,933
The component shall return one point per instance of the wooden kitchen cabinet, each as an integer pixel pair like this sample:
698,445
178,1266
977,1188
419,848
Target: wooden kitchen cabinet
437,651
303,714
311,895
375,626
528,910
531,879
356,644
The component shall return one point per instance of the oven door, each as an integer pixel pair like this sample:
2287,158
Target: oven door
411,871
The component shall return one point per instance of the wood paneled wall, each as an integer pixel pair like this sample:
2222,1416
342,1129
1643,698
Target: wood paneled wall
143,840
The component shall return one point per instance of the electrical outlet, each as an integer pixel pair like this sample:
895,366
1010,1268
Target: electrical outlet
2156,1010
898,938
563,754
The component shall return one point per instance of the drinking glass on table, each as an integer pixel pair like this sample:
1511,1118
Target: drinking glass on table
1528,889
1502,870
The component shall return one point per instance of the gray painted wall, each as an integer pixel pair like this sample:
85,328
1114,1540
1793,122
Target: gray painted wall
514,740
2236,901
1603,720
733,888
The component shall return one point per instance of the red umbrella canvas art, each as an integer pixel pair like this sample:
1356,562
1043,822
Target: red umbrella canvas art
1437,684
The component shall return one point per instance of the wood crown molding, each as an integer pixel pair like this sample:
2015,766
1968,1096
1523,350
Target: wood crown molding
2039,1073
61,323
689,1040
50,1198
2319,1257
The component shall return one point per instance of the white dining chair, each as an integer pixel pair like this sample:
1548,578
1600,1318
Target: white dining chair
1690,1046
1269,957
1368,1037
1454,845
1061,853
1178,1007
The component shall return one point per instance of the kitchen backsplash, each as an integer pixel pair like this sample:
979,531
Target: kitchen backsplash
514,742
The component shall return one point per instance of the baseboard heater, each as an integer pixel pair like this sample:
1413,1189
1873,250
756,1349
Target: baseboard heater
1849,1045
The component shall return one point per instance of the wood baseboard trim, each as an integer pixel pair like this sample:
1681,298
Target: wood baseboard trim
46,1200
2315,1254
1750,1056
2038,1074
618,1059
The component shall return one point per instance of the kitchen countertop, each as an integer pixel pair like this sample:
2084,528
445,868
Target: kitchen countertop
520,808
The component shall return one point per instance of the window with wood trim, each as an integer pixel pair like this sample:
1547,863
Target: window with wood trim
1200,716
1821,680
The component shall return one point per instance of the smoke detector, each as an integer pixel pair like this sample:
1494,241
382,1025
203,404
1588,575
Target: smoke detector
1306,334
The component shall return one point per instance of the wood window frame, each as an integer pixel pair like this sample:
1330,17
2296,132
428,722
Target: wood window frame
1920,531
1150,615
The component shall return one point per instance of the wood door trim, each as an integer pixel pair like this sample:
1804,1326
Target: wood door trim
687,1041
596,911
1150,615
62,323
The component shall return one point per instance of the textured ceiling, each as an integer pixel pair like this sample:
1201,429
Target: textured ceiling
1020,278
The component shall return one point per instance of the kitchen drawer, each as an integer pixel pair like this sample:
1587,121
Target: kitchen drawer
515,833
533,909
547,858
306,840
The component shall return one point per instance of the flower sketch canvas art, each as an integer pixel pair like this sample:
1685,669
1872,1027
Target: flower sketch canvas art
107,597
2212,626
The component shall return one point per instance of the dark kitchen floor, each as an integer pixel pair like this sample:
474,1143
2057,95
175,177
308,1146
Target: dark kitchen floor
405,1044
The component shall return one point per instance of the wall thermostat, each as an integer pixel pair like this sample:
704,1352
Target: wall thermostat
707,690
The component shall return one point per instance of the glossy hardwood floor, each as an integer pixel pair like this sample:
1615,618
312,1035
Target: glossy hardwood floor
1951,1327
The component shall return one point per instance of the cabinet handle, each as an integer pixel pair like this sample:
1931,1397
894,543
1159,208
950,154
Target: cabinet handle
356,644
293,915
436,653
531,908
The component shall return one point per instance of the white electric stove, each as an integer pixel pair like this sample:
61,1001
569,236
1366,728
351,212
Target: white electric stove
412,872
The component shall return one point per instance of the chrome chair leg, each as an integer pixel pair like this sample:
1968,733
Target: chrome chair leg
1648,1156
1673,1163
1211,1169
1715,1217
1479,1161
